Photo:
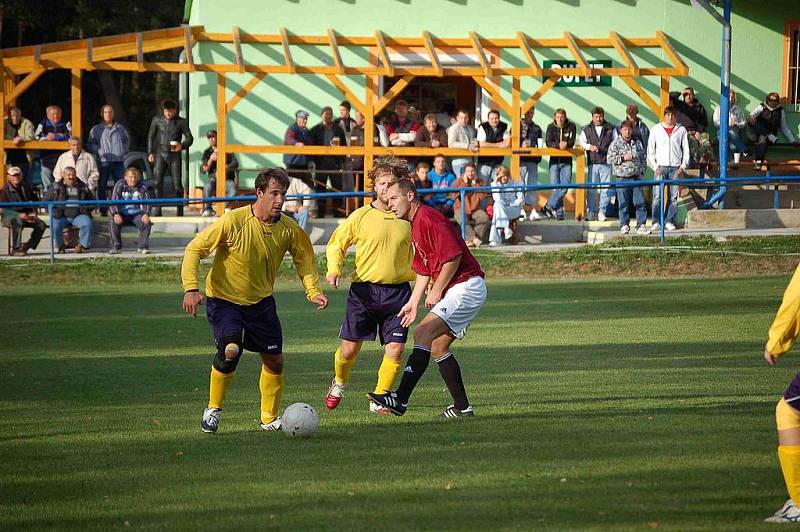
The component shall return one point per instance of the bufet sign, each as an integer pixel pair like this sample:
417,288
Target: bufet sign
580,81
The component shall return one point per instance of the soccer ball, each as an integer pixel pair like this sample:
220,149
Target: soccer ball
299,420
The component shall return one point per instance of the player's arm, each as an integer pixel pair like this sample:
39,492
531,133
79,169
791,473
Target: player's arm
449,269
785,327
409,310
335,251
199,248
305,263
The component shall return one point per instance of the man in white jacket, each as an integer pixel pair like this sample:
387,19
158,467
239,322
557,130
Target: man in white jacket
82,161
668,156
461,135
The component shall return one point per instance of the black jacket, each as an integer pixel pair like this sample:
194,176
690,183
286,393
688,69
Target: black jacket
59,193
555,135
328,162
531,132
163,131
23,192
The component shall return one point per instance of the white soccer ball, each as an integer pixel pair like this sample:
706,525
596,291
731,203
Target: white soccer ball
299,420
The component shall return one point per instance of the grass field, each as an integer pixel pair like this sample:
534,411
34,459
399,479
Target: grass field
601,405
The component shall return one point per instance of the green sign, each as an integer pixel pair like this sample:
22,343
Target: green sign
581,81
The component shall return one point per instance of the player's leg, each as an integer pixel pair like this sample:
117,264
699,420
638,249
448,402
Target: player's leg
787,420
225,319
270,384
450,371
343,361
392,334
263,334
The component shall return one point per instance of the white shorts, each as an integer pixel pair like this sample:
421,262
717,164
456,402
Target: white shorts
460,304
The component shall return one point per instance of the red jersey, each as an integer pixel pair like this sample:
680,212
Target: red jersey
436,242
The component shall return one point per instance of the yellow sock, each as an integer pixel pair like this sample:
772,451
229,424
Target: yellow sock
387,375
342,367
271,387
218,387
789,457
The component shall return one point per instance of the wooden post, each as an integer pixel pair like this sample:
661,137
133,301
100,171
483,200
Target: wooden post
516,121
664,95
2,126
77,113
371,83
580,193
219,206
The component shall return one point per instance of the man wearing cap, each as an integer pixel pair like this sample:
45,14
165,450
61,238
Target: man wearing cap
298,135
18,217
208,165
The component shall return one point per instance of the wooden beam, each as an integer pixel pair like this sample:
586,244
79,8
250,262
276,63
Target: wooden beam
478,47
23,85
536,96
287,54
345,90
525,46
494,92
237,48
580,177
77,109
623,51
222,143
663,95
89,52
244,91
3,101
188,41
428,43
392,93
583,66
516,122
37,56
680,67
337,57
648,101
384,53
139,50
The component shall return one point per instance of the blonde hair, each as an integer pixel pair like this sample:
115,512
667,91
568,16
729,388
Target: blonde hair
390,165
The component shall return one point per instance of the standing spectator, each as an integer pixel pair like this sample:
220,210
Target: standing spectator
765,120
329,167
668,156
423,182
51,128
441,177
595,138
402,128
560,135
70,188
461,135
530,136
492,134
640,131
108,142
348,126
19,129
627,157
81,161
298,135
478,222
19,217
737,121
693,117
208,165
432,135
506,208
135,214
300,209
169,134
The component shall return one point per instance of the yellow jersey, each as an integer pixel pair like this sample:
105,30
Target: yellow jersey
786,326
383,246
248,255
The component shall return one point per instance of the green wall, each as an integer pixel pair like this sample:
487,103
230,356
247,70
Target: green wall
262,117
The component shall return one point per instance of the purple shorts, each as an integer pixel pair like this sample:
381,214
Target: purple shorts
257,326
792,393
374,307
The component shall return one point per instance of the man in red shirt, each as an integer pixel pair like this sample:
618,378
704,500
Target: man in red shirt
456,296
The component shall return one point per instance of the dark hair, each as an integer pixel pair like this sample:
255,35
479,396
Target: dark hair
169,103
389,164
669,109
429,116
598,111
626,123
462,110
268,174
133,169
560,110
346,104
493,112
468,165
688,89
406,186
773,96
326,108
423,164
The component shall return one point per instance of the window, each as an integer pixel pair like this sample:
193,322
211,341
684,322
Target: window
791,64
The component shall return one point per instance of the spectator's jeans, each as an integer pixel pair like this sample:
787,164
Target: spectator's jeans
135,220
624,196
301,218
760,137
478,224
321,186
17,225
667,172
736,143
210,190
82,222
114,170
47,178
560,174
173,161
529,175
458,166
598,173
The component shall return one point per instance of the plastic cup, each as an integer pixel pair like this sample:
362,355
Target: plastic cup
737,157
540,143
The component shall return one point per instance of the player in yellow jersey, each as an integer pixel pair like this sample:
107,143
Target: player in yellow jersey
250,243
379,286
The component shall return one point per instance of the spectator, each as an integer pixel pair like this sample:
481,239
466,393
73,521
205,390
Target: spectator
463,136
506,208
595,138
668,156
51,128
423,181
18,130
19,217
692,115
478,222
765,120
208,165
441,177
560,135
736,124
348,126
640,131
492,134
402,128
329,167
108,142
298,135
81,161
169,135
70,188
530,136
135,214
432,135
381,136
627,157
301,209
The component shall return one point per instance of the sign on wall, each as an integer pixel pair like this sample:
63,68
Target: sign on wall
581,81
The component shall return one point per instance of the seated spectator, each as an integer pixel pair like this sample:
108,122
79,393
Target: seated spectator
441,177
402,129
432,135
70,188
81,161
492,134
298,135
18,130
18,218
135,214
478,222
108,141
329,167
506,208
300,209
461,135
765,121
530,136
422,181
737,121
208,165
627,157
692,115
51,128
381,136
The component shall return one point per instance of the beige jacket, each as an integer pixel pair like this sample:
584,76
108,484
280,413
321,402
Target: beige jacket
85,167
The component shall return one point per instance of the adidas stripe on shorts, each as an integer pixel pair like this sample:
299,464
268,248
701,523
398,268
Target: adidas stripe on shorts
461,304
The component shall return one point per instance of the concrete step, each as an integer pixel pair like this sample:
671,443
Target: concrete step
715,219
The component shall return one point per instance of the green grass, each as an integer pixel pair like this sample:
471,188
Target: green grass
601,405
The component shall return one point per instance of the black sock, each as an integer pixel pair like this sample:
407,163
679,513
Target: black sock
451,373
415,368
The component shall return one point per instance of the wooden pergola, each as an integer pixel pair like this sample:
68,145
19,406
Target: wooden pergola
21,67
